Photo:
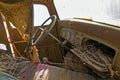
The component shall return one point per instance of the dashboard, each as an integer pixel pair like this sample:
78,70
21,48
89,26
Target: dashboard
96,43
89,50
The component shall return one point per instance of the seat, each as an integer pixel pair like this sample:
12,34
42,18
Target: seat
48,72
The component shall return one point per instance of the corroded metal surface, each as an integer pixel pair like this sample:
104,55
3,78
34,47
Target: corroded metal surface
93,29
18,12
75,31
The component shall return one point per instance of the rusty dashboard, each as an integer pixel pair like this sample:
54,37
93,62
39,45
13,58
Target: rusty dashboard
91,39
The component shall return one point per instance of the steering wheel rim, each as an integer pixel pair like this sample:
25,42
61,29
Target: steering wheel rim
44,31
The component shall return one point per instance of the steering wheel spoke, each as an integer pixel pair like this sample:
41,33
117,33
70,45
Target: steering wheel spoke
39,36
41,29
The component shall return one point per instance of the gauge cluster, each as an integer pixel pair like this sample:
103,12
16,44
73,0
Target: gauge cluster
71,36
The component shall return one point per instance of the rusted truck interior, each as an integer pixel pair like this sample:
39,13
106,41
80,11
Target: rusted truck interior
69,49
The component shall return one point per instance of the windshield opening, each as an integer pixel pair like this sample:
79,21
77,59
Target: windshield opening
107,11
41,13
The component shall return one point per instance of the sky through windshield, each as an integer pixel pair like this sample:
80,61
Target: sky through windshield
107,11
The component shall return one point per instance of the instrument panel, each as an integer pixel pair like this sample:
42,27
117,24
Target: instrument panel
90,51
71,36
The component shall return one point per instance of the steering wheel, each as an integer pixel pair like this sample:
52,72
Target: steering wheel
41,33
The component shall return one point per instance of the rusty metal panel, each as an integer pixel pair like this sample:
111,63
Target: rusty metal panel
94,29
18,12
